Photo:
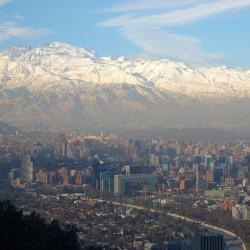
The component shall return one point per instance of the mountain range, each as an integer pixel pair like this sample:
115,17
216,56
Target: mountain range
59,86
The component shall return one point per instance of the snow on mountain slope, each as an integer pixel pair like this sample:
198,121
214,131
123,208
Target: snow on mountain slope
58,85
61,63
195,82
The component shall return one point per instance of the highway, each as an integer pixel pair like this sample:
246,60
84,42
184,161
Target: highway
178,217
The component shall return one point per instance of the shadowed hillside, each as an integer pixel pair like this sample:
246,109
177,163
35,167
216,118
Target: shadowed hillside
32,233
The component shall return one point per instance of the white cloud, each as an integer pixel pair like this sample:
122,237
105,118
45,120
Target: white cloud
193,13
150,32
3,2
160,43
153,4
11,30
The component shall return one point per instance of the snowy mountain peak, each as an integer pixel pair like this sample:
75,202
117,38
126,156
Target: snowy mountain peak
60,85
67,49
58,64
15,52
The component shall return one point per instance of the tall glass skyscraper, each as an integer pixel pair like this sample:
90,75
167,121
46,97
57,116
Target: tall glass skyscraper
27,169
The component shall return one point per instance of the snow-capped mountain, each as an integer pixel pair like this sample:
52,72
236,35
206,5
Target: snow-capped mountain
59,85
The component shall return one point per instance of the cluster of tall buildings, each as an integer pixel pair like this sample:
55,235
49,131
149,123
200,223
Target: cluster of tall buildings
132,166
71,147
200,173
60,177
27,175
211,164
197,175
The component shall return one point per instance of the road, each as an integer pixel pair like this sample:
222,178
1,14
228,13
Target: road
169,195
178,217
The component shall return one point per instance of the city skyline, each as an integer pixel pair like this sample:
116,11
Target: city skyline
135,188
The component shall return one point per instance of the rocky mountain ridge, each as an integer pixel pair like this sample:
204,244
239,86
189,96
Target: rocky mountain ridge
61,86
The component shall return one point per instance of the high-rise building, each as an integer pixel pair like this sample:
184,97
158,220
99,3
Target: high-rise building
230,159
186,184
107,181
209,175
218,174
128,184
14,174
80,179
208,161
98,167
154,159
64,176
209,241
198,159
62,147
27,172
42,177
52,178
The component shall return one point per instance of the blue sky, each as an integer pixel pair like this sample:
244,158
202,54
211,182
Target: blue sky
198,32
